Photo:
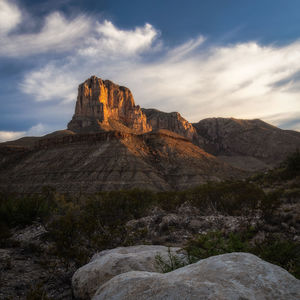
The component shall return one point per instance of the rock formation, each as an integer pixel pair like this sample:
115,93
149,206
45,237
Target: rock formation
227,276
113,144
102,105
110,161
110,263
246,144
170,121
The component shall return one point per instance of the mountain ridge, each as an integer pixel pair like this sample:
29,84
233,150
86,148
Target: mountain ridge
112,143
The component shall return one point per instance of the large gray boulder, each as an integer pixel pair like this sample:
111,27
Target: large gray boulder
233,276
109,263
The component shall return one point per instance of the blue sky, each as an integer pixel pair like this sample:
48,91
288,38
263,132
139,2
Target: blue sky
216,58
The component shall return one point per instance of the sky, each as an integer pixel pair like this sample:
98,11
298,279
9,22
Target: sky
202,58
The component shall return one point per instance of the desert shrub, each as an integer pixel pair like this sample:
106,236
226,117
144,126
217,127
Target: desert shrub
286,170
231,197
169,201
172,262
270,203
216,242
95,223
65,230
280,252
292,165
23,210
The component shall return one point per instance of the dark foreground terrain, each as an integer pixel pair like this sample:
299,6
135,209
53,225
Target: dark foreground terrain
45,237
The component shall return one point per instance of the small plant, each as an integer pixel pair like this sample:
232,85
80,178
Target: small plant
172,262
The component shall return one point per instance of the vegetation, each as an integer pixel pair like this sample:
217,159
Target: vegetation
79,225
289,169
280,252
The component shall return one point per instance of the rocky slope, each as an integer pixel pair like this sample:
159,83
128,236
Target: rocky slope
247,144
113,144
109,161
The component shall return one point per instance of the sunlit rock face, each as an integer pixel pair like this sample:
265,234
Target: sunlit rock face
171,121
101,104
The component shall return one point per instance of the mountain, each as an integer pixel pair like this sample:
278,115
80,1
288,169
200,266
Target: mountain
111,143
247,144
103,105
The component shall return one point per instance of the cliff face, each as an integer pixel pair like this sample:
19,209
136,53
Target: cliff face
170,121
102,105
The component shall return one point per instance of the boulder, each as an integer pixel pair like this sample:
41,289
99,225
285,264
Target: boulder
109,263
233,276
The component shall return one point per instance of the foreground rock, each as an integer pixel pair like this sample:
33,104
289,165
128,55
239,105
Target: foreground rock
232,276
109,263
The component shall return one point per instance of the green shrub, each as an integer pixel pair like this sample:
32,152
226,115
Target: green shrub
280,252
22,211
231,197
172,262
292,164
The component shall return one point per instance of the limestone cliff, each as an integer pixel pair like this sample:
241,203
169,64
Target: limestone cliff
103,105
171,121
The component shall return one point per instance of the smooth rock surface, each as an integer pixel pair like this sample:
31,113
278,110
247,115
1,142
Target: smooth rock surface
233,276
109,263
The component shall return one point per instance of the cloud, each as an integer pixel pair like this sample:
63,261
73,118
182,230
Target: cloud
50,83
286,120
36,130
110,46
10,16
196,78
57,35
11,135
110,40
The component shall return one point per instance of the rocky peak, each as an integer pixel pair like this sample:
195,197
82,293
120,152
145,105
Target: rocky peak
101,104
171,121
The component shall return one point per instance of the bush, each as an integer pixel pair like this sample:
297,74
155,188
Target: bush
172,263
22,211
280,252
231,197
292,164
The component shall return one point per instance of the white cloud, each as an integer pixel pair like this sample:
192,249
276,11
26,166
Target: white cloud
58,80
11,135
58,34
36,130
110,40
195,78
10,16
50,83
